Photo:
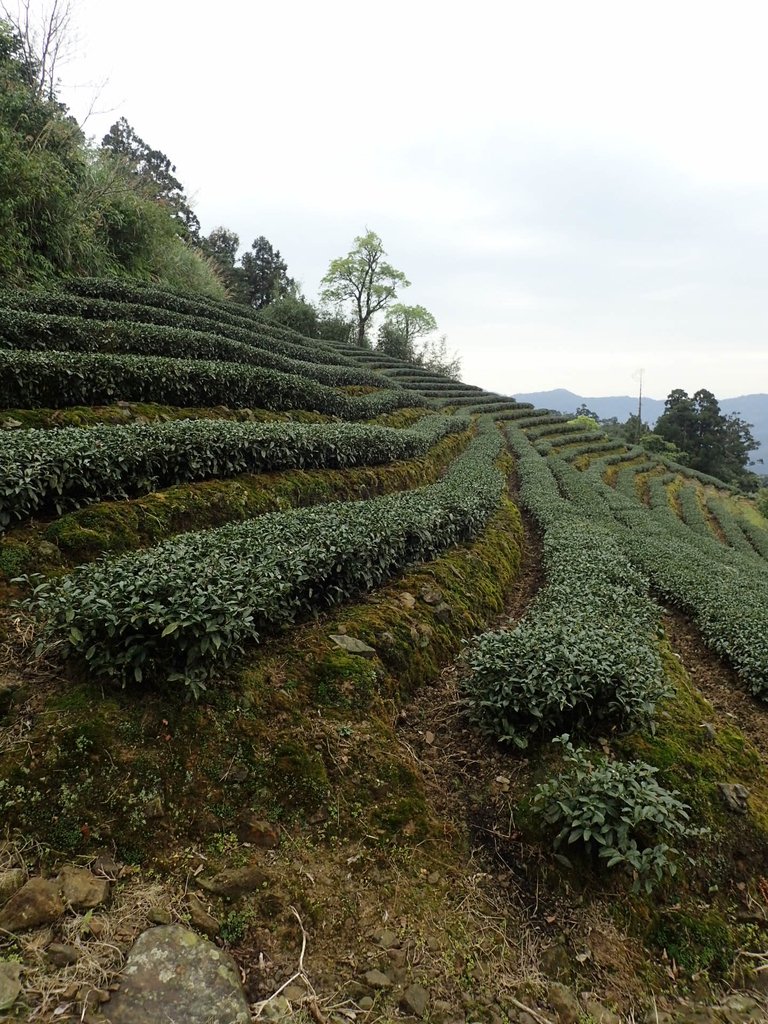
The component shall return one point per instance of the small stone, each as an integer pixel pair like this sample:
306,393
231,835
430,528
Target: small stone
352,645
599,1013
154,808
415,1000
407,600
11,880
105,864
11,424
97,926
431,595
159,915
398,957
444,612
433,877
563,1002
37,902
61,955
258,832
735,796
238,773
82,890
388,939
365,1003
10,985
377,980
295,993
429,737
201,919
234,881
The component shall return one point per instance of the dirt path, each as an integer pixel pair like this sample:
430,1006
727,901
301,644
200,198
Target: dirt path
717,681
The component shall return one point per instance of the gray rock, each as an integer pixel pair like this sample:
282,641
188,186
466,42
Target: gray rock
159,915
365,1003
415,1000
599,1013
11,424
37,902
10,985
105,864
200,917
61,955
352,645
173,974
377,980
11,880
388,939
735,796
234,882
738,1009
82,890
564,1002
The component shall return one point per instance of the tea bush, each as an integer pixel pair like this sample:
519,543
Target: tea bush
618,812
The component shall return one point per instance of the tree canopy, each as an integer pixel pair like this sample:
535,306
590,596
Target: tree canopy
714,443
363,280
154,171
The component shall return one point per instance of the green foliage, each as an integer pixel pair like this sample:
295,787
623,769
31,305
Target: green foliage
401,327
618,812
263,275
715,444
700,943
183,610
761,502
364,280
586,652
294,312
40,472
68,209
47,379
154,173
105,330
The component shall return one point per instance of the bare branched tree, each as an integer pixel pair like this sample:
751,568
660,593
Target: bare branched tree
46,36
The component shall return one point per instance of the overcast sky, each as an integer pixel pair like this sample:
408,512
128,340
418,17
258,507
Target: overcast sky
575,189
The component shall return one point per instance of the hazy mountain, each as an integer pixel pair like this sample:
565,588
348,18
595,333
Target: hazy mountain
752,408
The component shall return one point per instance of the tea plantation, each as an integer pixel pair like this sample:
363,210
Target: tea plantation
306,647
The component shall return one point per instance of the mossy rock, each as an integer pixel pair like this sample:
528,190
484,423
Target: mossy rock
696,941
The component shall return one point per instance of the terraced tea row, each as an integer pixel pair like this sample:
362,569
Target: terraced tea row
202,306
47,379
184,609
31,332
724,590
586,653
44,472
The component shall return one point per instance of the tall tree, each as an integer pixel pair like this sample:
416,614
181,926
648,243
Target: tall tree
45,40
716,444
402,326
155,172
265,274
364,280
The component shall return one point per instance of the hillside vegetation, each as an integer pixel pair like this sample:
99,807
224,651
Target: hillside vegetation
465,696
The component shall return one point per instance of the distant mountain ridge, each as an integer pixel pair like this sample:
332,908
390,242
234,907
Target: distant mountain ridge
752,408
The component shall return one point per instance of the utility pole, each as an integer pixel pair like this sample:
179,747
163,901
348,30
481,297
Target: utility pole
638,375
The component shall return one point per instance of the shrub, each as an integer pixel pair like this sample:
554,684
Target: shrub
617,811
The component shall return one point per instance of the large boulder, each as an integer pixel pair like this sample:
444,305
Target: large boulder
174,974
